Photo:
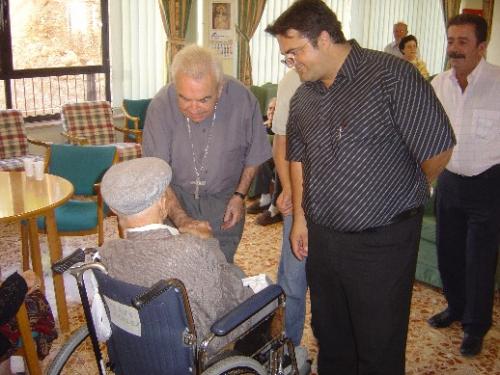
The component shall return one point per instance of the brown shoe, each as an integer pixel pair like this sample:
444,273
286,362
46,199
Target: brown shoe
256,208
265,218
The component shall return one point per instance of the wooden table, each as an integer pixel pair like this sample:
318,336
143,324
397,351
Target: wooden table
25,198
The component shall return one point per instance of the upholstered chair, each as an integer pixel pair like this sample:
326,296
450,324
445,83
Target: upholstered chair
91,123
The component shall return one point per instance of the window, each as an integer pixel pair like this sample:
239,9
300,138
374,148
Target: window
53,52
370,22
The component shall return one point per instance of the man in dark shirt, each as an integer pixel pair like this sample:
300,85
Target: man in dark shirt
366,135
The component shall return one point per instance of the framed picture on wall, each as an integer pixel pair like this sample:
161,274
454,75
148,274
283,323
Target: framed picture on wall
221,16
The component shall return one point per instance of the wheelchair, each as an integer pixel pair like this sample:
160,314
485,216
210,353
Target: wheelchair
153,332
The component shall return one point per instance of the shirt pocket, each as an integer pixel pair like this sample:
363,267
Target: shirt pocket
486,124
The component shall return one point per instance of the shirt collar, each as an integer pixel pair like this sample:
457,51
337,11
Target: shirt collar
151,227
473,76
349,67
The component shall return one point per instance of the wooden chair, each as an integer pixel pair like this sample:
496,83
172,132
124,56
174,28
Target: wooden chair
14,142
84,167
13,294
134,112
28,349
91,123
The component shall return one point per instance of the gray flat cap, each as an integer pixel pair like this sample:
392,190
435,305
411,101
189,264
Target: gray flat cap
132,186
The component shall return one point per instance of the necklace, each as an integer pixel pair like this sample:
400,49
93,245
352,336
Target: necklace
197,172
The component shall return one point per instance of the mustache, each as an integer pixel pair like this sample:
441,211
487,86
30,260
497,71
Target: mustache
456,55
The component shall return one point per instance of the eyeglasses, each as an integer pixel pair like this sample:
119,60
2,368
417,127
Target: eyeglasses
289,59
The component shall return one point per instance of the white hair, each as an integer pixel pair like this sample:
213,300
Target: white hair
197,62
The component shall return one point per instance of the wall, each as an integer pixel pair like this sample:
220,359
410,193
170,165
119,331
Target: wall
494,45
493,55
204,8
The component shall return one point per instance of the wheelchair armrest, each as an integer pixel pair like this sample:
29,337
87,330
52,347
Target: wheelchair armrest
246,310
156,290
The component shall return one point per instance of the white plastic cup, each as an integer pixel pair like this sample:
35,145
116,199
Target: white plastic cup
28,166
39,169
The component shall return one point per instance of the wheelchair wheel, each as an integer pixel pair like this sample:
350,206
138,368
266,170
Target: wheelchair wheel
75,356
236,365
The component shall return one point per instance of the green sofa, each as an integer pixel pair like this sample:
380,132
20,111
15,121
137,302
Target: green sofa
427,268
264,94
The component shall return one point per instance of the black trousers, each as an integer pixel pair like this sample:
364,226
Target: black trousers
264,177
468,220
361,286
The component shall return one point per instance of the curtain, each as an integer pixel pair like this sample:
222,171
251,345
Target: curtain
250,13
175,16
450,9
488,14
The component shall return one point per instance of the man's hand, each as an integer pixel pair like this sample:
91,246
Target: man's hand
197,228
234,212
298,237
284,202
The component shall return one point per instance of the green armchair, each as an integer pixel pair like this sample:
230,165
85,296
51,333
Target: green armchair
134,112
84,167
264,94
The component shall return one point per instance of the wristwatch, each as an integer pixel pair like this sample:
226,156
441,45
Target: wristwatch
241,195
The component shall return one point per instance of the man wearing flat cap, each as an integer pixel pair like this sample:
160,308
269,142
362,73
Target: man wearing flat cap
136,191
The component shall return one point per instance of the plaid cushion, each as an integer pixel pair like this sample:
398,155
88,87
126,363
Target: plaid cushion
16,164
91,120
13,141
128,151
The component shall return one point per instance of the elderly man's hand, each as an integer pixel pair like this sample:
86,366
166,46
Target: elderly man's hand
197,228
234,212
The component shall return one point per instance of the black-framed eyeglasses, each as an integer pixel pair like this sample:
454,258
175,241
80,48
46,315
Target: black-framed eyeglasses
289,59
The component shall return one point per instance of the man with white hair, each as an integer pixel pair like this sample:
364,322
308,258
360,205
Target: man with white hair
400,30
208,127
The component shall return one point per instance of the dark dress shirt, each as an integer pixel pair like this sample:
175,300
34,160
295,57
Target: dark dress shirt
361,141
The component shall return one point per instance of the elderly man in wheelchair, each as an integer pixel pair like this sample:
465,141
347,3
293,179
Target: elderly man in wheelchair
207,323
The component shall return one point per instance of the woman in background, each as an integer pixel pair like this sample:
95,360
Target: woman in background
408,47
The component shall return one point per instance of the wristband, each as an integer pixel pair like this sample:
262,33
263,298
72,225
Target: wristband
241,195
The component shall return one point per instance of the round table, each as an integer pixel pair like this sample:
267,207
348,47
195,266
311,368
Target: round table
25,198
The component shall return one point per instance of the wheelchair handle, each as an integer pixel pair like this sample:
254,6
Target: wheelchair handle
155,291
77,256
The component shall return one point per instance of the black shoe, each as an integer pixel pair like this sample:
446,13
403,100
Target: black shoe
266,218
256,208
471,345
442,319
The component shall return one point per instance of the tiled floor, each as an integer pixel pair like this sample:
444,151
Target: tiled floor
429,351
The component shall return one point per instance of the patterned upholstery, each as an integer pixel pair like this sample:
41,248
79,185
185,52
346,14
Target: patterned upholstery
13,141
93,121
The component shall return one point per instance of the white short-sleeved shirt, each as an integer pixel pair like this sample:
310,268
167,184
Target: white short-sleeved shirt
286,88
475,117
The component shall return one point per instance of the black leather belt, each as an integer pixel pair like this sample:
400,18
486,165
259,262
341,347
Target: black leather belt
398,218
405,215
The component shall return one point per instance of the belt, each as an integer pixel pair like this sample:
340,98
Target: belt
405,215
402,216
